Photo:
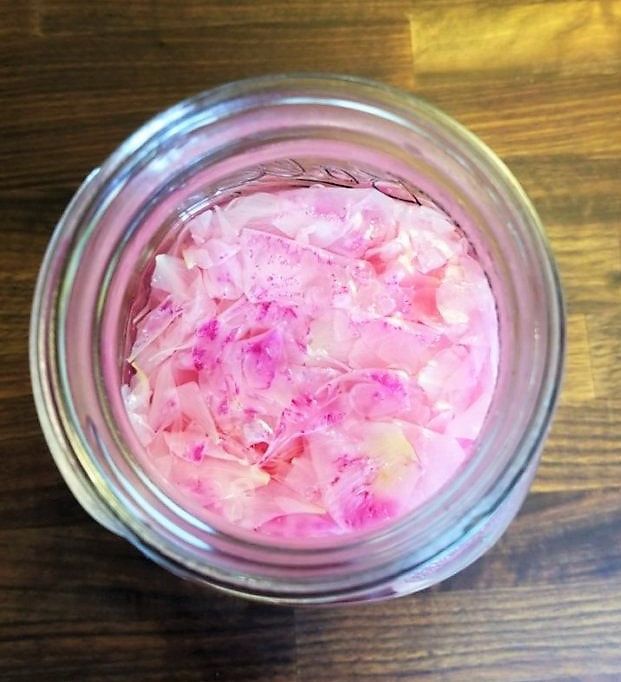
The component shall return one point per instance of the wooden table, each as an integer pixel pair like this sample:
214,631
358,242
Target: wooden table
538,81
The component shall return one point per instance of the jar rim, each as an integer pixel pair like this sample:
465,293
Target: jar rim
51,397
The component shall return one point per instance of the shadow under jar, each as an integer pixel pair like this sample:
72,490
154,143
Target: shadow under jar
273,133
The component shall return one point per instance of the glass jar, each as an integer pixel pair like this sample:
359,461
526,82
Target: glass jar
281,131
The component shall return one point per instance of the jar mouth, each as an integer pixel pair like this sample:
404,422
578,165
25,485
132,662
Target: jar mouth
81,424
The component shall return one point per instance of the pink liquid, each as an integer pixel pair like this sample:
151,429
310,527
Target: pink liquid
313,361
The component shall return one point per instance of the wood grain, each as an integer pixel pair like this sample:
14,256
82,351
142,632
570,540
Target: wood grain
540,82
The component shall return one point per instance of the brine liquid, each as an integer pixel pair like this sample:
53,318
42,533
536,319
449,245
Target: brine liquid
313,361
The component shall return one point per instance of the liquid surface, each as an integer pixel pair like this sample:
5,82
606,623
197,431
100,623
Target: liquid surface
313,361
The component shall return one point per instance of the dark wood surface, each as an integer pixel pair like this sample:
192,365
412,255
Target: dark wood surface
538,81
